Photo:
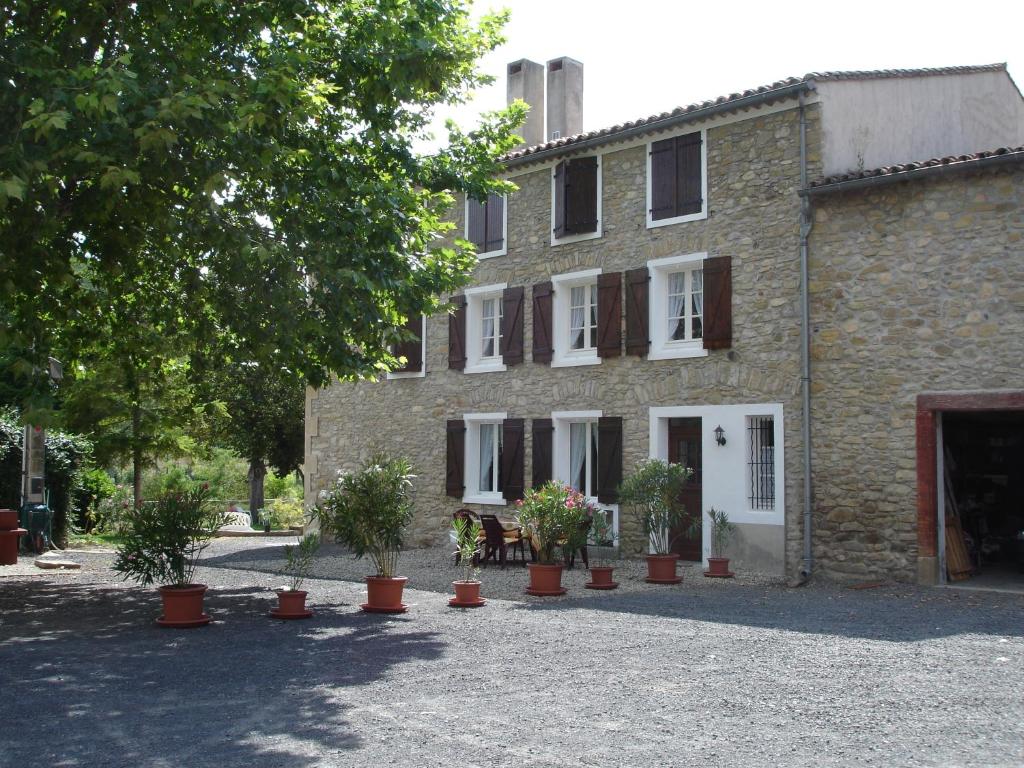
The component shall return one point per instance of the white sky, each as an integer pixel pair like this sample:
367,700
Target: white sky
642,57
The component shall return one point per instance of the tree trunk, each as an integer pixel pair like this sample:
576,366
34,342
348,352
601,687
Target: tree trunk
257,473
136,455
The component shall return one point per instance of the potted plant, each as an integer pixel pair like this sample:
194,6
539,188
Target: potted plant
652,493
552,516
467,589
161,543
721,531
291,598
600,535
368,511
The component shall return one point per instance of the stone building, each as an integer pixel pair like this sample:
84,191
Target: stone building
641,295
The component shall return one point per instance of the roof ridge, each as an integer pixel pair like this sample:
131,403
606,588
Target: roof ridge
871,74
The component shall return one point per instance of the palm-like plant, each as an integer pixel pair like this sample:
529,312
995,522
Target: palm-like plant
652,492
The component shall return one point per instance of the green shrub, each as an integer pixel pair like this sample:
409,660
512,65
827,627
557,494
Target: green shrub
553,516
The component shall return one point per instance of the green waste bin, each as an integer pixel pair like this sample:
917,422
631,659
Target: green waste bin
37,519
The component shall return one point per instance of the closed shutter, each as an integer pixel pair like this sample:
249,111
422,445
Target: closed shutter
454,484
718,303
412,350
512,459
476,224
581,196
663,179
457,334
542,333
495,239
609,314
609,458
543,440
689,197
637,338
512,325
560,181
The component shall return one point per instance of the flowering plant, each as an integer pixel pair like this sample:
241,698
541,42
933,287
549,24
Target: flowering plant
554,516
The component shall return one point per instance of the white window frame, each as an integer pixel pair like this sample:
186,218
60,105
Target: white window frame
475,297
703,213
503,251
471,471
600,215
662,347
562,421
563,356
423,356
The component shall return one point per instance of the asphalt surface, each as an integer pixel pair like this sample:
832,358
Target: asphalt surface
741,673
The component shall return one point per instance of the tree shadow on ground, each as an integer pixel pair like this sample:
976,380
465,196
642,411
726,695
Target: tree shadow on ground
243,691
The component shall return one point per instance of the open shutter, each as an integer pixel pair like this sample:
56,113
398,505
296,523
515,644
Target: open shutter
581,196
663,179
512,325
637,338
495,239
689,195
476,224
560,183
512,459
609,314
718,303
542,334
457,334
454,484
609,458
543,440
412,350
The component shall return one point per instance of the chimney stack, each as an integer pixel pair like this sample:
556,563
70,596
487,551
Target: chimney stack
526,82
565,98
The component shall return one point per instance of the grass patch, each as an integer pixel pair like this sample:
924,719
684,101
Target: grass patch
106,540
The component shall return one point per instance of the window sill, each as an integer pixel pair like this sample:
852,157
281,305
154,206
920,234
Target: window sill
492,254
485,498
652,224
485,368
571,362
692,349
406,375
576,238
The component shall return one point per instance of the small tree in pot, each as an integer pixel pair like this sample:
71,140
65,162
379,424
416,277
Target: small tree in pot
298,561
721,531
161,543
368,511
553,517
467,589
652,493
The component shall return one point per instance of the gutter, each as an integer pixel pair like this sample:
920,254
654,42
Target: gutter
806,224
745,102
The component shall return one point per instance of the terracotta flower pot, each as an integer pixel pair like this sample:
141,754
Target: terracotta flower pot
9,545
545,580
291,604
8,519
718,568
661,569
384,595
467,595
601,578
183,606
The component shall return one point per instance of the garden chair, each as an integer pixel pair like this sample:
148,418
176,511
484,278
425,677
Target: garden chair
497,541
471,516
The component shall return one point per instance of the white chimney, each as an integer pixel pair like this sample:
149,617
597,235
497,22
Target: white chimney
526,82
565,98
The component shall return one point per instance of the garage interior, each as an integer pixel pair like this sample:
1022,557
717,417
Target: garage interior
983,476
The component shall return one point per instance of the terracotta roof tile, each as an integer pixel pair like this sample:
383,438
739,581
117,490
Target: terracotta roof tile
919,165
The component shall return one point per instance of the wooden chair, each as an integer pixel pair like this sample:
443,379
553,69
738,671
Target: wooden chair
471,516
497,541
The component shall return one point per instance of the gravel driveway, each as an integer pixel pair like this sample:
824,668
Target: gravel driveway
705,674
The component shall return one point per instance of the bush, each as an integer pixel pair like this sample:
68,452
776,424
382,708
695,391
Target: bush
652,494
284,513
96,486
112,514
553,516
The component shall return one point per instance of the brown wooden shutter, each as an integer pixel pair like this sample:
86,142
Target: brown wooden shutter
476,224
663,179
495,239
454,484
512,325
637,337
411,350
457,334
718,303
543,349
512,458
581,196
609,458
543,442
689,196
560,182
609,314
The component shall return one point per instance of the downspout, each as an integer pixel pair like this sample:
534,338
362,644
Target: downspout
805,345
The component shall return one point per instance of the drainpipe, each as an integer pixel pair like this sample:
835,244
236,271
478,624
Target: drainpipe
805,345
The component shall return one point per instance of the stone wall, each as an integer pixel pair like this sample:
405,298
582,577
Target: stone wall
915,287
753,178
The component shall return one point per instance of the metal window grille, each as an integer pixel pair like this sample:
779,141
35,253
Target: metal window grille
761,461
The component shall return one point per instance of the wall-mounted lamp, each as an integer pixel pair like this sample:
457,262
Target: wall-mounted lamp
719,435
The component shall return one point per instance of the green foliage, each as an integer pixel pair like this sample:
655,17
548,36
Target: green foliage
466,534
112,514
298,559
652,494
601,534
553,515
368,510
284,487
721,531
95,487
284,513
163,539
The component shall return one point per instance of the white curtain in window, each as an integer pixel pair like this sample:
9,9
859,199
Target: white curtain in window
697,289
486,457
487,332
676,305
577,455
576,316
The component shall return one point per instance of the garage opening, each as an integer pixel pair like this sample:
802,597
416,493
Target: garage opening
983,484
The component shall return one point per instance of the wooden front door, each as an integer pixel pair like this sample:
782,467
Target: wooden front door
684,447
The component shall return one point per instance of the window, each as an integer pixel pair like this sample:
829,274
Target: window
761,462
576,200
579,462
583,317
414,351
483,475
484,308
677,307
676,180
575,318
583,457
486,226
